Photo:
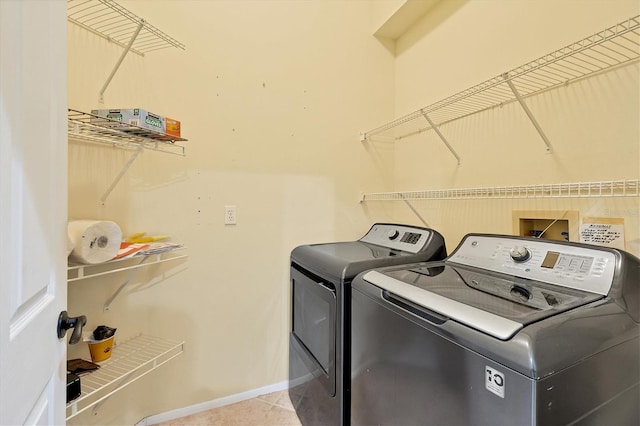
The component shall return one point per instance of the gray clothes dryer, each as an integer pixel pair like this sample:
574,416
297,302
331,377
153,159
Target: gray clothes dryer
505,331
320,338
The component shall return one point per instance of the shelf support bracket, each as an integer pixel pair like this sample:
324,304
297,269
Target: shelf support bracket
528,112
408,203
122,172
132,274
122,56
437,130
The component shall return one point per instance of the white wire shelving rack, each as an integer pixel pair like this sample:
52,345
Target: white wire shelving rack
113,22
601,189
85,127
131,264
93,128
109,20
136,357
130,360
606,50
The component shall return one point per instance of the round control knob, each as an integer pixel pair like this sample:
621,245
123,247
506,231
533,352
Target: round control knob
393,234
520,254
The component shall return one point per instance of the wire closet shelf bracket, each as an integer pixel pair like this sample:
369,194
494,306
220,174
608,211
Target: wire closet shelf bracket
109,20
93,128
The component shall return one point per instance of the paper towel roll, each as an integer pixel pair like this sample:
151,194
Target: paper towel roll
69,243
94,241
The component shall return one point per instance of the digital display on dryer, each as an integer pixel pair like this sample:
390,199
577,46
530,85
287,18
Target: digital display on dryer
410,237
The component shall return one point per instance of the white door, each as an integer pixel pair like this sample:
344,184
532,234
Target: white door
33,210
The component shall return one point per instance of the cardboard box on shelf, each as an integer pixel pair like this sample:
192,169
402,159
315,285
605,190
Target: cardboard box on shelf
132,116
172,127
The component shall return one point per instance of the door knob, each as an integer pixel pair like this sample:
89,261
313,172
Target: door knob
65,323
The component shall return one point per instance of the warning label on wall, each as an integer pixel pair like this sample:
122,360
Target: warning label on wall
608,232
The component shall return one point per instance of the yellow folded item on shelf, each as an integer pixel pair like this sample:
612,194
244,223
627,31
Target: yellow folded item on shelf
136,235
148,239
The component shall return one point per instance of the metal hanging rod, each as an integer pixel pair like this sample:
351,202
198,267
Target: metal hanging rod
613,47
611,188
113,22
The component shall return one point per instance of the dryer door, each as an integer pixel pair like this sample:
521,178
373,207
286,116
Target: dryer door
314,326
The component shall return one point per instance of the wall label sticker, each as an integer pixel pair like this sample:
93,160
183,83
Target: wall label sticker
494,381
603,231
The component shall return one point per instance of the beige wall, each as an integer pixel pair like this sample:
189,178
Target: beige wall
593,124
272,96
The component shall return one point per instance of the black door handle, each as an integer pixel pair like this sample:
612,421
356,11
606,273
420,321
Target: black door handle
65,323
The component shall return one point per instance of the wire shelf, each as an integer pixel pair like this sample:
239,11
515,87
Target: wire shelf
113,22
81,272
130,360
612,188
96,129
605,50
131,264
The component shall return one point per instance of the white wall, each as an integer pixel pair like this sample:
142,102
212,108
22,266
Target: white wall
593,124
272,96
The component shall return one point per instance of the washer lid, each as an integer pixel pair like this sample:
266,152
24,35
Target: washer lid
496,304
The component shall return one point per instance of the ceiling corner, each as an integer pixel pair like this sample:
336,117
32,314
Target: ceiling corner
408,13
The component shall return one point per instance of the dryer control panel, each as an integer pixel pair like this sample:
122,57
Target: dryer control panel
399,237
573,266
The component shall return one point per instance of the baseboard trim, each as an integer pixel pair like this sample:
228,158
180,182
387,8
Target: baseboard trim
215,403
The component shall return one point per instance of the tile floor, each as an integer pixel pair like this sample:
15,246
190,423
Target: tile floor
272,409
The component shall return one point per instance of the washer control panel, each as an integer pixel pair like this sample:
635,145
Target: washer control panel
581,268
398,237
